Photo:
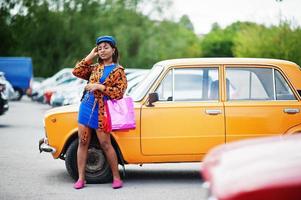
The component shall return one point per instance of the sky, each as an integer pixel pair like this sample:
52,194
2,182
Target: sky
203,13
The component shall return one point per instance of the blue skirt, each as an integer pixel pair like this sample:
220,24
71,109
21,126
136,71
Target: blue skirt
88,111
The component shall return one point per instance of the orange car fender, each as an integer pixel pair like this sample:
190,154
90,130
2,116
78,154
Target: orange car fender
294,130
73,135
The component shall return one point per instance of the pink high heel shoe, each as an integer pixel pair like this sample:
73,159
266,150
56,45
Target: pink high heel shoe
79,184
117,183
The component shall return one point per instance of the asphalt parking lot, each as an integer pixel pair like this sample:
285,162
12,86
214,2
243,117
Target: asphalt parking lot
27,174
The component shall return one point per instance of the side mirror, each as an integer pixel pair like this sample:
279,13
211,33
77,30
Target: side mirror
152,97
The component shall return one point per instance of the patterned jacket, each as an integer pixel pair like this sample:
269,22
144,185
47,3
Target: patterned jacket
115,84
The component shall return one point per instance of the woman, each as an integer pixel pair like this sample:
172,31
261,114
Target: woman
107,80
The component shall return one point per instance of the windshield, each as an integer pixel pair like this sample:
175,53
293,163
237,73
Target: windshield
142,88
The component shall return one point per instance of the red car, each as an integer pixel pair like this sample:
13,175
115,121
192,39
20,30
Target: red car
256,169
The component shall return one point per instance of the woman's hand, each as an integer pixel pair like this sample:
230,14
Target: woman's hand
94,86
92,54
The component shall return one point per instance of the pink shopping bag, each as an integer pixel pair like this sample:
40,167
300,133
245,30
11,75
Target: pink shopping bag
122,113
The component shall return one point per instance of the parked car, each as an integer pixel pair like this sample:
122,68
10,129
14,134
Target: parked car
60,85
56,79
35,84
69,94
132,70
18,71
3,97
72,97
9,90
133,81
185,107
73,94
255,169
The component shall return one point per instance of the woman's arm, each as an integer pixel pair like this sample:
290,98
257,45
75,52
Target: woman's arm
116,91
83,69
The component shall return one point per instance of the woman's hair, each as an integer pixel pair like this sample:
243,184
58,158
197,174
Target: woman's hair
115,56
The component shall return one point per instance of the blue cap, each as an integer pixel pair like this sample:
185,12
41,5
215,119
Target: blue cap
106,38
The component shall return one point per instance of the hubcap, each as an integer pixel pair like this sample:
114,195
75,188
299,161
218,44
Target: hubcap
95,160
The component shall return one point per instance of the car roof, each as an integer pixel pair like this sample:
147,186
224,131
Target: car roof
191,61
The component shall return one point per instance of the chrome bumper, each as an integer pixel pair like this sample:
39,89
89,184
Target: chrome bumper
44,146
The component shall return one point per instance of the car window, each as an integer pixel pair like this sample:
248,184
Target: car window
66,80
63,74
189,84
283,91
165,89
250,83
256,84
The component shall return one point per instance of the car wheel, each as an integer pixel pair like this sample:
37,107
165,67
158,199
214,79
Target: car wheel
19,94
97,167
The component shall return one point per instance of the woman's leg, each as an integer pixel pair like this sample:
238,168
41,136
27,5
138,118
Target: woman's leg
106,145
84,138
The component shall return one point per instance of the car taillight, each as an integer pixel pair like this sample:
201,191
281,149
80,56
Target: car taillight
48,93
2,87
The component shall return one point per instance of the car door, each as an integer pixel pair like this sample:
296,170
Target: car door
260,102
189,116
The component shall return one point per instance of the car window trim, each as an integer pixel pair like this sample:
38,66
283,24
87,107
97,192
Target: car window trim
173,85
274,84
272,67
290,85
172,70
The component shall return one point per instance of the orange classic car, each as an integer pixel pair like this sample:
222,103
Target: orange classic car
184,107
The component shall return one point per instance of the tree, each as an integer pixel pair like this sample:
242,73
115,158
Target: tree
185,21
280,42
57,33
167,40
5,31
220,42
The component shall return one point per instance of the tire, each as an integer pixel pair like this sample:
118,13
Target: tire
97,167
19,94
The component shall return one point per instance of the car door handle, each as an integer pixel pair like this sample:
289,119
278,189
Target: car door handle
213,112
291,110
